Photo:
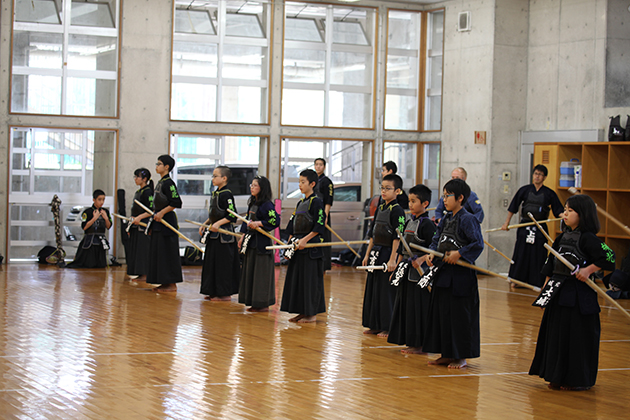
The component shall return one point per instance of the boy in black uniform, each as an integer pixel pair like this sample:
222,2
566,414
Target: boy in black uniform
378,300
411,308
95,220
453,328
165,266
221,270
325,191
304,283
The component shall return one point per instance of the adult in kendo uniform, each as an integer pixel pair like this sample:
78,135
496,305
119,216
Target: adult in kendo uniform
529,251
325,191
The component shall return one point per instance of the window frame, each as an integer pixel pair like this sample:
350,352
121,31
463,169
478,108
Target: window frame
221,39
329,47
423,72
66,29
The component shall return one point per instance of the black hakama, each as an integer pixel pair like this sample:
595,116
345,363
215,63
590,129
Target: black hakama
221,270
327,250
453,329
138,252
258,283
94,256
165,265
379,297
567,351
411,313
304,285
529,258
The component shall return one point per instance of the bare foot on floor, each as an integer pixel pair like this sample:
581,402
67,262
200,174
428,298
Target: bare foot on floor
218,298
441,361
296,318
165,289
307,319
457,364
383,334
371,332
252,309
412,350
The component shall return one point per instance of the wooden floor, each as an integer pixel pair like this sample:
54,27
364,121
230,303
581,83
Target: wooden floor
86,344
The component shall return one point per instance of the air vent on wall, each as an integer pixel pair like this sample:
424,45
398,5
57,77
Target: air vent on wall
463,21
545,157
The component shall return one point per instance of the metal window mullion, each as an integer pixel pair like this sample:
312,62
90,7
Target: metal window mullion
84,143
222,12
31,187
175,155
221,145
285,181
328,62
67,15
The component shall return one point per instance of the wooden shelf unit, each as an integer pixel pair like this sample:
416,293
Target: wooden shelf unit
605,178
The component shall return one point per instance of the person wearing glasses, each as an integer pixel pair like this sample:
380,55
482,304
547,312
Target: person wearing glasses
378,300
165,266
221,272
529,250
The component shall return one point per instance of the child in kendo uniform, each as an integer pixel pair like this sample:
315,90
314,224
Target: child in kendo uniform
378,300
258,286
95,220
567,349
411,307
139,242
453,328
165,266
221,270
304,283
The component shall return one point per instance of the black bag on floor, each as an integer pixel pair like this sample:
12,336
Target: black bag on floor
192,256
44,253
627,127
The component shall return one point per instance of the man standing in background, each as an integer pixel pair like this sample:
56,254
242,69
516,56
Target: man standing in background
325,191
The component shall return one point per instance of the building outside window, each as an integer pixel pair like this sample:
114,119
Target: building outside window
65,57
328,68
220,65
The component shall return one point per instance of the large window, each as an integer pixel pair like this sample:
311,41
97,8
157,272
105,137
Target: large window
65,57
418,163
328,69
220,66
434,62
196,157
404,70
45,162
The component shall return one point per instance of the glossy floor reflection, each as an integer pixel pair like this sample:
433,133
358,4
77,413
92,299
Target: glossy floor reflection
88,344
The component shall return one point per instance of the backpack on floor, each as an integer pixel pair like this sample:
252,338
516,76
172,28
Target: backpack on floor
192,256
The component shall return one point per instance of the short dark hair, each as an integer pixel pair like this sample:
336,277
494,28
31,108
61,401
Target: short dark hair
585,207
97,193
225,171
391,166
167,160
541,168
265,193
422,192
458,187
322,159
398,182
310,175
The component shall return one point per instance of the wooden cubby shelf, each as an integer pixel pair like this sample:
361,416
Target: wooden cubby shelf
605,178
